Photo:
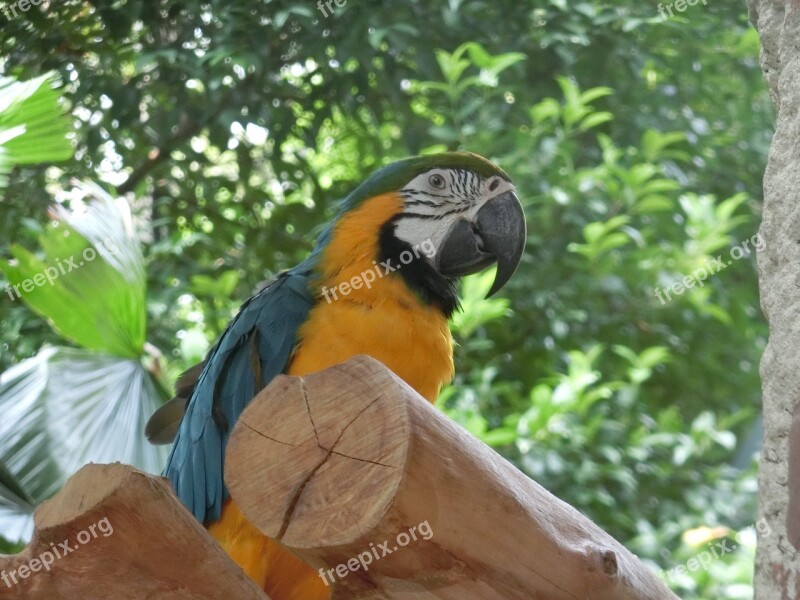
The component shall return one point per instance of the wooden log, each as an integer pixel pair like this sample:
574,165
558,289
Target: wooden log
365,480
115,532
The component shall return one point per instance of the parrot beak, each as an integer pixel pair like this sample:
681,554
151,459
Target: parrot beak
497,234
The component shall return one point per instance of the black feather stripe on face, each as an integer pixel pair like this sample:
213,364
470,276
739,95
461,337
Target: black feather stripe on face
419,274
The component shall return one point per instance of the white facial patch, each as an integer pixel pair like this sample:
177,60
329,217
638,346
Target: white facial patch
436,199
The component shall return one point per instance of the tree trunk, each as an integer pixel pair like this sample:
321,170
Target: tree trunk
777,575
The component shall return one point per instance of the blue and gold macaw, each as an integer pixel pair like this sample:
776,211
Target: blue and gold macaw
417,225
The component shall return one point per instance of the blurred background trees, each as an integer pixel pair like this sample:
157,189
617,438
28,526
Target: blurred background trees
637,144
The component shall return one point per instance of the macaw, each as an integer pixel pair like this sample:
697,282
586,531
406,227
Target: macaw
416,225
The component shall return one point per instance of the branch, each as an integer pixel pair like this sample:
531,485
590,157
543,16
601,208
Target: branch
351,465
115,532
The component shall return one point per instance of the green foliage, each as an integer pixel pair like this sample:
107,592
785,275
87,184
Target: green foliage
31,127
96,304
66,407
637,145
464,92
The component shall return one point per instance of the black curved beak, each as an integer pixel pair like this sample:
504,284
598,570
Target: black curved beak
496,235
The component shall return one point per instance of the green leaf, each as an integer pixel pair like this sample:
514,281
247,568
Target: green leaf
33,128
653,203
569,90
90,285
595,119
546,110
501,436
493,63
476,309
727,207
451,65
654,143
62,409
221,285
593,94
595,231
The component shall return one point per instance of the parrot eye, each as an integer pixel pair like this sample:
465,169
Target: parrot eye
436,181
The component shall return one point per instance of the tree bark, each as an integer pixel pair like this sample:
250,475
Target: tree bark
777,575
365,480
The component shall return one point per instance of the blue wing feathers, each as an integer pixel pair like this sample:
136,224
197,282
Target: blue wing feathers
195,464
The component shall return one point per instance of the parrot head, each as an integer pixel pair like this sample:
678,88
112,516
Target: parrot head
460,208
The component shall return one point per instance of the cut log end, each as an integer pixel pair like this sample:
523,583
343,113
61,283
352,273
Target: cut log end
322,454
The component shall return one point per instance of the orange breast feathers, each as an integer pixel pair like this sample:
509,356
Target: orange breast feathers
364,310
384,319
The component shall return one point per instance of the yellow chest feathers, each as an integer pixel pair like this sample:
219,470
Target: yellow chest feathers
365,310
